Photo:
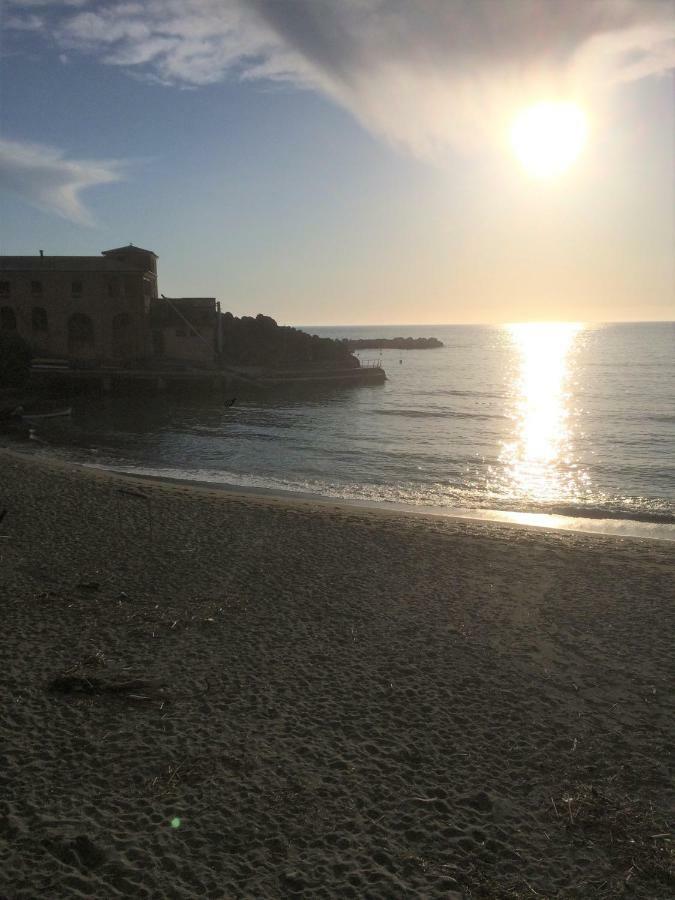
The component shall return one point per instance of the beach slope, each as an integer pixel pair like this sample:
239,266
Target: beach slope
214,695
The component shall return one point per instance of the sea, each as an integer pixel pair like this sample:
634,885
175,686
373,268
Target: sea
565,424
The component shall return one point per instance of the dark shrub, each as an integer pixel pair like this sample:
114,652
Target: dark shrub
15,359
260,341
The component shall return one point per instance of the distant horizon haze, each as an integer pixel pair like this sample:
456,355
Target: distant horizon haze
495,323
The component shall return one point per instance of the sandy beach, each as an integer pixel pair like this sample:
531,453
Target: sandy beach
207,694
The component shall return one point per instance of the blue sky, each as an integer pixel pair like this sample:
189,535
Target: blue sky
347,162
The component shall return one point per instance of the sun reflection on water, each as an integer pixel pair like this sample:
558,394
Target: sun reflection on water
538,463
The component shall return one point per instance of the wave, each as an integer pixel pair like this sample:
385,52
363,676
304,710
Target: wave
406,495
451,393
657,417
602,512
432,414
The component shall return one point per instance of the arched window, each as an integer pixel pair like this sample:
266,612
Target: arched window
80,334
7,319
39,318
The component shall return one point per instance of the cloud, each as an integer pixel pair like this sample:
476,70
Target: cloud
179,42
43,176
448,72
424,75
32,3
23,23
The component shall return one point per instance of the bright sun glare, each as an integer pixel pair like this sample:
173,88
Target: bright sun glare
537,460
548,137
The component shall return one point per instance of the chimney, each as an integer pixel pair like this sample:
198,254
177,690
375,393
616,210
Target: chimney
42,252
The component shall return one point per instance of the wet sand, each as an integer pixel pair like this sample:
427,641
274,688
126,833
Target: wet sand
207,694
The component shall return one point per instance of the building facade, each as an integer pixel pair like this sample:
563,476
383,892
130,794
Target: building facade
103,310
80,307
185,328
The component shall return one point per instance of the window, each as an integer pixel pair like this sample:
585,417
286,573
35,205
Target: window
113,287
147,287
193,333
4,288
39,319
80,333
7,319
180,332
158,342
121,322
76,288
36,287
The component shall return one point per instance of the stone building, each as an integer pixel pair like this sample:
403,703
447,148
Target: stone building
81,307
185,328
103,310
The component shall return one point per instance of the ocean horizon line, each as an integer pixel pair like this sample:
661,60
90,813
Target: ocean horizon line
482,324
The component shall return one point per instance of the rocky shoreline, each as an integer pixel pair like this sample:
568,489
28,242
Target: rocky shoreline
397,343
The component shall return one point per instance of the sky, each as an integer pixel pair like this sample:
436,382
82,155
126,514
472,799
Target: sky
348,161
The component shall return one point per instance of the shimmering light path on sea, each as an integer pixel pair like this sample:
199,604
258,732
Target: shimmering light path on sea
560,419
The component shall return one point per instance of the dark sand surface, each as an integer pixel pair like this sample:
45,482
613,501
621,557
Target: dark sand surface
326,701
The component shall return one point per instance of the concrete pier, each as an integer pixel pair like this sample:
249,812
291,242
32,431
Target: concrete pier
112,380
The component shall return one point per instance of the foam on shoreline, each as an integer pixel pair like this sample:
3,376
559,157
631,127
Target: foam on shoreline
596,524
588,524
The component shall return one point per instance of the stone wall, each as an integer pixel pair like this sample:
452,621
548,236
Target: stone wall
192,345
77,314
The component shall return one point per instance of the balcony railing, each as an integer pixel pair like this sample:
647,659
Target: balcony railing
371,363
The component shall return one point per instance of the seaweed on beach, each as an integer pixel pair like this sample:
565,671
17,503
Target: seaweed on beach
90,676
174,774
96,684
636,839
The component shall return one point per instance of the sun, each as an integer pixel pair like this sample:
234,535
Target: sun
547,138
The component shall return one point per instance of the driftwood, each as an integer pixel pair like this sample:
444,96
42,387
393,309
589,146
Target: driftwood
136,495
106,683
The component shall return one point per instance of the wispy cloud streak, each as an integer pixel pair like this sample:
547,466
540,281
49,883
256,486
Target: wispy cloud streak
45,178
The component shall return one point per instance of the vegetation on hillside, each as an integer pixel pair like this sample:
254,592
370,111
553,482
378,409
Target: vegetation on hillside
260,341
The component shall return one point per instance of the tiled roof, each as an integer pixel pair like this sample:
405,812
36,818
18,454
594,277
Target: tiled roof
129,247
